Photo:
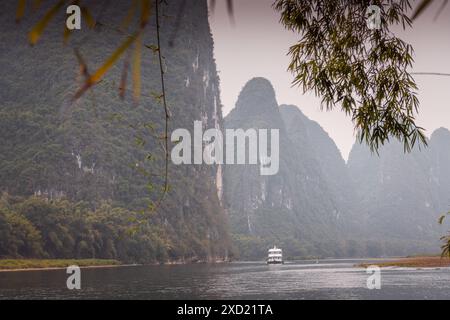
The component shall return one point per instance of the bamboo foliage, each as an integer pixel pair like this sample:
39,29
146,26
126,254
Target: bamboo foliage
37,4
424,4
363,72
20,10
36,33
131,13
445,248
135,39
144,8
111,61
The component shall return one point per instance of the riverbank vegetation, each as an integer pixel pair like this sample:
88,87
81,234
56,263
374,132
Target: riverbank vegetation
415,262
37,228
19,264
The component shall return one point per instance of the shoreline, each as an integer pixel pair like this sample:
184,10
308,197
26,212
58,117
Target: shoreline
62,264
63,268
413,262
18,265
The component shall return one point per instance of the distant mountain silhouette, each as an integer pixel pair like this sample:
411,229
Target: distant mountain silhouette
300,208
319,205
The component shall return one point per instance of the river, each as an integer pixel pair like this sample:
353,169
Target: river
328,279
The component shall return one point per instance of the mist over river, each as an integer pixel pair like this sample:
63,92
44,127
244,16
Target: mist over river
328,279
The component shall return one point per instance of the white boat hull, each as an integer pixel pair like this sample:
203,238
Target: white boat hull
275,262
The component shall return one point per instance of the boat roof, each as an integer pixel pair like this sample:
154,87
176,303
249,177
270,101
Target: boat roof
275,249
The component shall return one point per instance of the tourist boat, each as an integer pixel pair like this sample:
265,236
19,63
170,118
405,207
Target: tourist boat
275,256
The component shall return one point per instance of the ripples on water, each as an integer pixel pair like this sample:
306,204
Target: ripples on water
329,279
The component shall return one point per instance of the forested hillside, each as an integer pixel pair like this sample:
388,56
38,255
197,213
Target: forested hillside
78,179
102,148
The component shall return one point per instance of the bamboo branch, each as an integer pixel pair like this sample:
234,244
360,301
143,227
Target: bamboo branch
166,110
431,74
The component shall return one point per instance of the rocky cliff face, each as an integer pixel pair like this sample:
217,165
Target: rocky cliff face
295,208
372,206
86,151
440,167
310,138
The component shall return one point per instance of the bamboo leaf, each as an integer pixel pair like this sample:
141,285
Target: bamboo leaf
422,6
67,34
145,12
83,66
20,10
112,60
230,8
129,17
441,9
90,20
137,57
37,4
39,28
97,76
442,218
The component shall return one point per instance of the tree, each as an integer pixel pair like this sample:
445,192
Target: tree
445,239
360,70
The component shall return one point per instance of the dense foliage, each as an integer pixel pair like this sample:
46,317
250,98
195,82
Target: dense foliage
39,228
364,71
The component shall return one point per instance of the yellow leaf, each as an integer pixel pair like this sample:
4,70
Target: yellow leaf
129,17
111,60
67,34
137,56
88,16
145,13
83,66
20,10
37,4
37,30
97,76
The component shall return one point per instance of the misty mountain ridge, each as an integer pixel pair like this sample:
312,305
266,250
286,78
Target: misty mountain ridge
377,205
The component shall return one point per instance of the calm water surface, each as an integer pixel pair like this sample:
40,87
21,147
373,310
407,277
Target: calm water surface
329,279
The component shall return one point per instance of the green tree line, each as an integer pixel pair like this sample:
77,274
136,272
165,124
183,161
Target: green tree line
39,228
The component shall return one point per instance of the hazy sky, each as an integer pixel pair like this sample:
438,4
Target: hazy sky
257,45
